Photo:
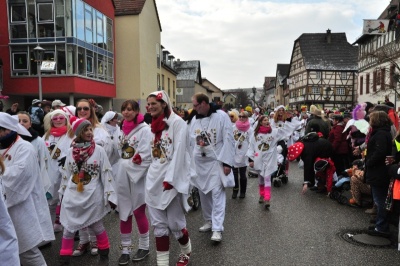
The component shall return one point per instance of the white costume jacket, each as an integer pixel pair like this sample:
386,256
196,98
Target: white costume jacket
8,237
170,163
242,140
81,209
212,140
43,157
62,145
262,148
25,196
102,138
130,177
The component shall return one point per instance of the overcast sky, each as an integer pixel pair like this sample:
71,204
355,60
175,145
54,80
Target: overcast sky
239,42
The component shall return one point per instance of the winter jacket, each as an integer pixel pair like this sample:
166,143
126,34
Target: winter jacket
314,147
338,139
378,147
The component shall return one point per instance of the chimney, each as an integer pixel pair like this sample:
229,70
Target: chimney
328,36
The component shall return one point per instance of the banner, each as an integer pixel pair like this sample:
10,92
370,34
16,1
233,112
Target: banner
375,27
179,91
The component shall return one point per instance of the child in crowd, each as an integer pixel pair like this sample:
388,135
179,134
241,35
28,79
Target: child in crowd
87,190
262,152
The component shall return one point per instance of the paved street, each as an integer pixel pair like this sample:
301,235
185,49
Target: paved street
298,230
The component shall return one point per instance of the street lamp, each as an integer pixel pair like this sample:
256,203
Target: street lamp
38,52
254,95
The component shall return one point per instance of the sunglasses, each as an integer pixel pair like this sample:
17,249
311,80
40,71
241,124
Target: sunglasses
84,108
60,118
242,116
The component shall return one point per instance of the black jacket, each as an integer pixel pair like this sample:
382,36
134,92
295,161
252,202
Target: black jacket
314,147
378,147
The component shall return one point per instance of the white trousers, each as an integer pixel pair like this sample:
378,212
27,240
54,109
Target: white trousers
32,257
171,219
213,207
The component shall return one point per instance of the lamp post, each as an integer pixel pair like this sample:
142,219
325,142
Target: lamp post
38,52
254,95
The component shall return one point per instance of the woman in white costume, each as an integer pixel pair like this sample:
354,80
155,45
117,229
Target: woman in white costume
58,140
130,180
86,108
110,123
8,237
37,142
242,132
87,191
23,191
167,180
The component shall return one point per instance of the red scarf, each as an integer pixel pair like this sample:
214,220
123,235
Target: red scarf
265,130
58,131
128,126
157,126
81,151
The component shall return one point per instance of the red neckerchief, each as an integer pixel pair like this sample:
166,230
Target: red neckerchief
157,126
265,130
81,151
58,131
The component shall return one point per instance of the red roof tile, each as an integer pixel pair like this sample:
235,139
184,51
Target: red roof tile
128,7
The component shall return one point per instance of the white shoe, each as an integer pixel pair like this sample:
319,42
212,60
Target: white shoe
206,227
216,236
94,250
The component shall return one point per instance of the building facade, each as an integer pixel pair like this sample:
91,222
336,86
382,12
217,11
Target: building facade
138,37
77,35
378,62
323,71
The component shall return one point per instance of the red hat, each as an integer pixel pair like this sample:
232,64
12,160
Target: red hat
295,150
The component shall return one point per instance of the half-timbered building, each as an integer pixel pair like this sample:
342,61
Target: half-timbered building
323,69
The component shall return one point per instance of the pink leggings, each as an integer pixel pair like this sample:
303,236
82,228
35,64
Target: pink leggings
141,221
264,187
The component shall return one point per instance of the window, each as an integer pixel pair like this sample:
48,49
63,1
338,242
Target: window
45,12
340,91
89,64
367,84
88,25
169,87
173,89
361,85
343,75
158,55
316,90
110,46
162,82
18,13
80,18
319,75
20,61
383,77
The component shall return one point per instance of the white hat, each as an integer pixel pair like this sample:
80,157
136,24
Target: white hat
69,110
279,107
57,103
11,122
257,110
35,101
161,95
108,116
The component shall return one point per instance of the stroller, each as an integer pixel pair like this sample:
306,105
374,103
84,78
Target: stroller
280,177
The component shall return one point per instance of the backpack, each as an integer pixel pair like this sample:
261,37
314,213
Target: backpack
35,115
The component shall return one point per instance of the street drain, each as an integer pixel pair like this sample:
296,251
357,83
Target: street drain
361,238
